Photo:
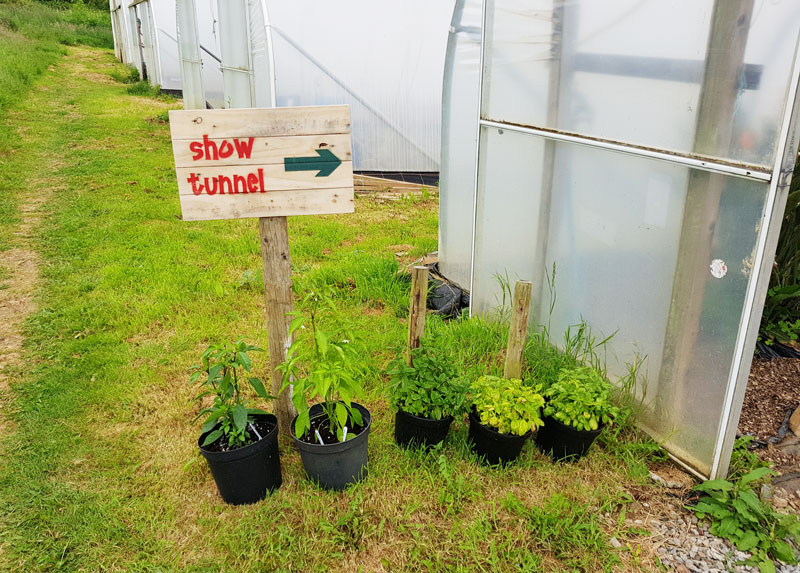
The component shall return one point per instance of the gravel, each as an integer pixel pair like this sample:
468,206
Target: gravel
683,544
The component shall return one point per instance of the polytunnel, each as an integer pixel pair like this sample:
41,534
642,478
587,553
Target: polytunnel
385,61
642,148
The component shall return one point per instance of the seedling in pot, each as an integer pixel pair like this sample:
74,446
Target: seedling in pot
223,371
239,443
427,393
581,398
430,388
322,365
505,412
507,405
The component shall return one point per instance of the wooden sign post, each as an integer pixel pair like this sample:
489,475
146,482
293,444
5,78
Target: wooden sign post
265,163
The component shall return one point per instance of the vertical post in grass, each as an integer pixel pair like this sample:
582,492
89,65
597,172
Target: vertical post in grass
416,310
518,329
280,301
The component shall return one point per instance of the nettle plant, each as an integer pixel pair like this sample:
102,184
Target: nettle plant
430,388
581,398
736,513
320,365
509,406
223,370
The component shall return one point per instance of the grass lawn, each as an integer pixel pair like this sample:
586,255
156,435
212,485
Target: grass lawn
100,466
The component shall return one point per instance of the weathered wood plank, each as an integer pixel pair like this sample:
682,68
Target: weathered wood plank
278,203
264,150
274,179
193,124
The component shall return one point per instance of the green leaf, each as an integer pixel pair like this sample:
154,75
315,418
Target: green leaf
756,474
240,417
714,485
210,423
322,342
782,551
356,415
302,424
296,323
211,438
747,541
766,566
258,386
245,360
341,414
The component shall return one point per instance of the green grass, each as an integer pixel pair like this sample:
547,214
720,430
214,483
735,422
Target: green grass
32,39
100,468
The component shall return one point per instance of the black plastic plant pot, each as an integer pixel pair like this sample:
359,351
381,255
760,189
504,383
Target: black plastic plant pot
491,445
563,442
416,431
248,474
336,466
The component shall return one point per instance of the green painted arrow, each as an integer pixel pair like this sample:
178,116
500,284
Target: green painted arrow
326,163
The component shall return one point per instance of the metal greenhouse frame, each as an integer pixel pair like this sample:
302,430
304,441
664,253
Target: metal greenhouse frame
647,148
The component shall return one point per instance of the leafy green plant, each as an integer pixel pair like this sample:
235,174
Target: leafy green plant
509,406
222,370
780,321
332,371
744,461
430,388
738,514
581,398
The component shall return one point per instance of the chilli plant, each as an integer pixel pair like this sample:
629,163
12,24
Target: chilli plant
507,405
322,365
581,398
431,387
223,370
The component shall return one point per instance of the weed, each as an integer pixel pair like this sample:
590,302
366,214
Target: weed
249,281
125,75
456,490
736,513
743,461
567,528
145,88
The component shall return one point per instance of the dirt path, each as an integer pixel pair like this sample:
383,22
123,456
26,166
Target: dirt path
17,296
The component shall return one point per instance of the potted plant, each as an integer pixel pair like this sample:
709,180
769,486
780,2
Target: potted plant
331,435
504,414
240,443
578,407
427,394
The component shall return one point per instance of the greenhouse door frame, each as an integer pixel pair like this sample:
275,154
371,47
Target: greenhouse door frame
778,177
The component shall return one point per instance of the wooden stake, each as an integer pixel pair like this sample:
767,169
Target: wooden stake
518,330
416,310
280,301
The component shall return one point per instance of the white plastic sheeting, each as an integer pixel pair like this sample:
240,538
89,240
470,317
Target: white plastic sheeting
633,144
384,60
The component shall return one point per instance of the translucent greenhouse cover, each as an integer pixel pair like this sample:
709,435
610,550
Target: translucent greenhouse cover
166,43
638,146
384,60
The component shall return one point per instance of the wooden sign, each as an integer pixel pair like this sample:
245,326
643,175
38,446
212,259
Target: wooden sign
236,163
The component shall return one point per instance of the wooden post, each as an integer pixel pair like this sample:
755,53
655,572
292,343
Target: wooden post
417,308
280,301
518,329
